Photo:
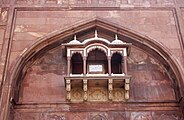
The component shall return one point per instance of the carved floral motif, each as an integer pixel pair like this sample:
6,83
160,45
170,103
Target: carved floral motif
98,116
77,94
111,115
141,116
52,116
97,94
118,94
78,116
168,117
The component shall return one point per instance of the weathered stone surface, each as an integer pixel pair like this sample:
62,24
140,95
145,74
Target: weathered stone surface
2,32
106,115
44,80
99,3
154,90
4,1
21,45
3,16
31,25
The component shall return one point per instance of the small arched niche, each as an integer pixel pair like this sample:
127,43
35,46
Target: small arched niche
116,63
77,63
97,62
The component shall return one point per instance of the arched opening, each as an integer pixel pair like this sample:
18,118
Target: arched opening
77,64
116,63
53,40
97,62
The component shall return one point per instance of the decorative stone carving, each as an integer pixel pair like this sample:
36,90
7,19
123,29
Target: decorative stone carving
116,41
75,51
78,116
97,94
55,117
74,41
96,47
76,94
52,116
118,94
127,87
68,89
168,117
118,116
117,51
3,15
85,88
110,88
141,116
98,116
96,71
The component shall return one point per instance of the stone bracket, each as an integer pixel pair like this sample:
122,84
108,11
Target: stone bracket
68,89
85,88
127,88
110,88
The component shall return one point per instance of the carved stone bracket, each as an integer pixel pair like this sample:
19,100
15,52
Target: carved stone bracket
110,88
97,88
127,88
68,89
85,88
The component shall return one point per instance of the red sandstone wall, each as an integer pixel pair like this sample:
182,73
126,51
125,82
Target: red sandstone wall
159,25
44,81
3,28
160,20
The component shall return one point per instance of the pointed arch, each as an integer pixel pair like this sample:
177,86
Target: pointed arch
54,39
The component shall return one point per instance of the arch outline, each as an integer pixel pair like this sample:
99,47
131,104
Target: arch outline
55,38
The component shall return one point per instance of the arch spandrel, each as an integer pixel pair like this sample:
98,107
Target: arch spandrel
55,39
